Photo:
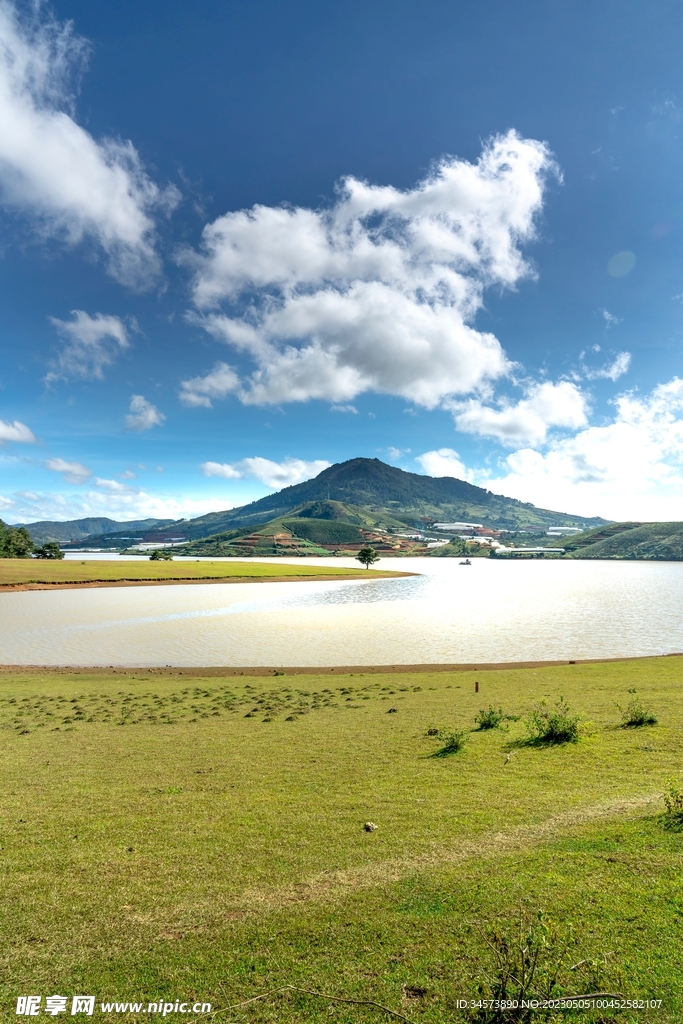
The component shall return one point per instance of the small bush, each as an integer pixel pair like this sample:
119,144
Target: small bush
532,959
636,714
549,724
161,555
453,743
673,801
489,719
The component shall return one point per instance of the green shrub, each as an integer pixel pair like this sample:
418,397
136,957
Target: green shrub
549,724
453,743
161,555
636,714
489,719
50,550
673,801
532,959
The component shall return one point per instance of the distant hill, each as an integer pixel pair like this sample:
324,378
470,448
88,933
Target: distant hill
385,491
80,529
366,493
661,542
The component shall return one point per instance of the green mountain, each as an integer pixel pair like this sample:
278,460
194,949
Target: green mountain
363,493
630,541
80,529
385,494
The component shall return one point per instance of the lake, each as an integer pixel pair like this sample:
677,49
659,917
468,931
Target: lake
487,612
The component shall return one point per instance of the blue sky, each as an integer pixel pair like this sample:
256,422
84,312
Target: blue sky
243,241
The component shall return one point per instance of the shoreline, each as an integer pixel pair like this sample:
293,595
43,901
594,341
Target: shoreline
91,584
299,670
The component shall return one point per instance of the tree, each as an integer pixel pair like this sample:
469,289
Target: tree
15,542
161,555
367,557
49,550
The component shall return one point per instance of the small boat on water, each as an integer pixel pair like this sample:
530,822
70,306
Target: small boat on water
466,562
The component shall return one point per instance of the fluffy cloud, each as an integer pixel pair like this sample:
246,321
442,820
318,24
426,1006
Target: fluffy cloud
443,462
72,185
72,472
16,432
90,344
546,405
273,474
143,415
199,391
628,469
376,293
223,469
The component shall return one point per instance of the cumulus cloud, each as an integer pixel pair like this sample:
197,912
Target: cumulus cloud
377,292
443,462
143,415
273,474
223,469
91,343
631,468
546,405
72,185
72,472
16,432
199,391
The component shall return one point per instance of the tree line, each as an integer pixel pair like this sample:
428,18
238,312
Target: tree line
15,542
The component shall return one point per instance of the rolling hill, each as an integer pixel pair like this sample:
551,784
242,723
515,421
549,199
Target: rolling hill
368,493
661,542
80,529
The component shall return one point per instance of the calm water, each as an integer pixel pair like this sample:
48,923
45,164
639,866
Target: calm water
491,611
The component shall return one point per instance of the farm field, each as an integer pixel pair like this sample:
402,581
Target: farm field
173,836
20,572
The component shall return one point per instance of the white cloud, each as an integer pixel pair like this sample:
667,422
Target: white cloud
273,474
91,344
143,415
610,319
443,462
114,486
631,468
199,391
26,508
546,405
344,408
16,431
72,472
223,469
51,168
376,293
613,371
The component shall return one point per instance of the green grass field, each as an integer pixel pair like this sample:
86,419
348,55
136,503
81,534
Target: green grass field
18,571
172,837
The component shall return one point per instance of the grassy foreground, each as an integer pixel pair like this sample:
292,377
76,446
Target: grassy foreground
172,837
22,571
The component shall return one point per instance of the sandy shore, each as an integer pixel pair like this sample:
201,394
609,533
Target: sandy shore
307,670
190,582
